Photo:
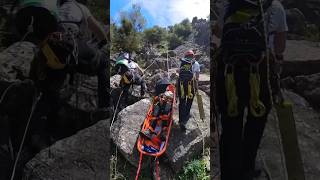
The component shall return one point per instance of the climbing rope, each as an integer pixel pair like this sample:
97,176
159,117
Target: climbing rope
168,64
157,169
139,166
155,59
269,85
265,166
115,111
24,135
7,90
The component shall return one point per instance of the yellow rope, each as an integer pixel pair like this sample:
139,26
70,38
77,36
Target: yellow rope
190,95
257,108
181,90
231,95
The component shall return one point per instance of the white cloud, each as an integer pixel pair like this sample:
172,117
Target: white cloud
169,12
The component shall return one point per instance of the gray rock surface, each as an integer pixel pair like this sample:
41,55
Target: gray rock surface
307,87
82,156
15,61
125,129
296,21
184,147
307,124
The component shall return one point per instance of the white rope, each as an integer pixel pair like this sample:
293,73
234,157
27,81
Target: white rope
6,91
115,111
265,166
168,64
269,87
24,135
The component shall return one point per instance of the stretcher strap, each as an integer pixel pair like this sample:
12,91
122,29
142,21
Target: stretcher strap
157,169
139,166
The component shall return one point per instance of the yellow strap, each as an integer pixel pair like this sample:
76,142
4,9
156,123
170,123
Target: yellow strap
126,80
257,108
181,90
190,95
52,60
231,95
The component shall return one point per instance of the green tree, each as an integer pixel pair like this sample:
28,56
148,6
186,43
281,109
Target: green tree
135,17
183,29
174,41
127,36
154,35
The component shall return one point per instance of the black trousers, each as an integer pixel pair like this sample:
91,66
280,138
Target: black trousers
239,143
137,80
185,103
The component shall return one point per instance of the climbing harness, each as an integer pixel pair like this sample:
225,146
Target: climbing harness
257,108
126,80
157,144
231,94
52,60
181,90
190,95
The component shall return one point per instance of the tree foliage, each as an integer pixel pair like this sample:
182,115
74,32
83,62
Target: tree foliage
183,29
127,36
174,41
155,35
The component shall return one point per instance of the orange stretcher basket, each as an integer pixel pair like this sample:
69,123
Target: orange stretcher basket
145,141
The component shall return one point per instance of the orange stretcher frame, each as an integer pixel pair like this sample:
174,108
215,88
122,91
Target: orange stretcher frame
146,124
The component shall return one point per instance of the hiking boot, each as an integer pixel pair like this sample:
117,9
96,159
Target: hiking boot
147,133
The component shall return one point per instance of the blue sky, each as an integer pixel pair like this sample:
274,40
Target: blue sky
163,12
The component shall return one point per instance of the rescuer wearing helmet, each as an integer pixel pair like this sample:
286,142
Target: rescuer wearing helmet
186,86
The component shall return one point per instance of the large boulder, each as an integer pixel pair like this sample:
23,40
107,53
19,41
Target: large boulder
296,21
125,129
15,66
183,147
15,61
306,86
307,124
82,156
310,8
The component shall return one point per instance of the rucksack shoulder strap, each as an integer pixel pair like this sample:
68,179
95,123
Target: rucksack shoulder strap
238,4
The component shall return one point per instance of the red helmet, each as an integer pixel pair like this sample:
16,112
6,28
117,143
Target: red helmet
189,53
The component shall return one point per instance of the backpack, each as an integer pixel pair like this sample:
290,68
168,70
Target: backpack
243,36
186,73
